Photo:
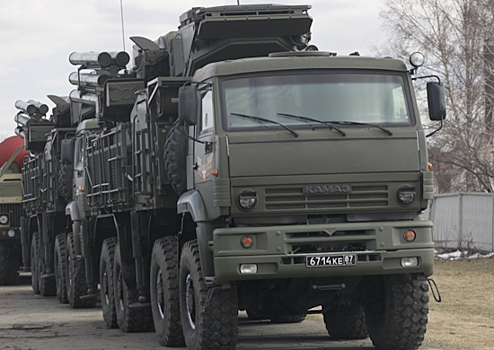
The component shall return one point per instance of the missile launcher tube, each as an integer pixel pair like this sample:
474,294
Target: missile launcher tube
100,59
90,99
24,120
19,131
84,79
32,107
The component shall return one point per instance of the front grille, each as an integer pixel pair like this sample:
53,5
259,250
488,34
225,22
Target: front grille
294,198
14,212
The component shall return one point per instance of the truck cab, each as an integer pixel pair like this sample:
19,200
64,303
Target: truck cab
307,173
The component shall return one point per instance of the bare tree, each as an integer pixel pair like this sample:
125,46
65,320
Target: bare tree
457,37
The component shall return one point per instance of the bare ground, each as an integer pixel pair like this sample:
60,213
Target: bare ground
463,321
465,317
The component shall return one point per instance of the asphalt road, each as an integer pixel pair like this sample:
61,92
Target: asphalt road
29,321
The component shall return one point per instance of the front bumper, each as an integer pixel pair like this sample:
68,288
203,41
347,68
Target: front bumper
4,234
281,251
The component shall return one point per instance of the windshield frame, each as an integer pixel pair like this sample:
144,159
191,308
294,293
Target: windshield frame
304,72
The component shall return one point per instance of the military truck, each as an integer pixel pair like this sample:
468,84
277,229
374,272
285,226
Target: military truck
235,167
11,155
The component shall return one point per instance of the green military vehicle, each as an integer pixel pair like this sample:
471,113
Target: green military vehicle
11,157
235,167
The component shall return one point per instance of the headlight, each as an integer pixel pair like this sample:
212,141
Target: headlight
406,195
247,200
417,59
4,219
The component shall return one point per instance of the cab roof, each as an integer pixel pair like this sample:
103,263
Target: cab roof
297,61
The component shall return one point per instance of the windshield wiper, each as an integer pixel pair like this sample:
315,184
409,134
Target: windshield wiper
260,119
307,119
359,123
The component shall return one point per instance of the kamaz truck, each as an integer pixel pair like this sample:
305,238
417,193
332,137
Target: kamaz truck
11,156
236,167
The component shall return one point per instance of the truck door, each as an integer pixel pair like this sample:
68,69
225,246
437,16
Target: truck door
204,149
79,173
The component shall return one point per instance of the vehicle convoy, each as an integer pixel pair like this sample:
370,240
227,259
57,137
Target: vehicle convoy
12,153
234,167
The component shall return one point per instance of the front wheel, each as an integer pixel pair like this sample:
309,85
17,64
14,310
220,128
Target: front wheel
209,316
76,277
106,267
164,292
397,311
34,255
129,319
60,263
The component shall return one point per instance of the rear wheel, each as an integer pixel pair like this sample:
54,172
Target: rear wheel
209,316
164,292
397,314
76,277
129,319
59,267
9,264
346,322
34,255
106,282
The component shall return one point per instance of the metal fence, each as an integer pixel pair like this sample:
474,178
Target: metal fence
463,221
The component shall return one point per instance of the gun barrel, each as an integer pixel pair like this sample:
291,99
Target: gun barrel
90,99
31,107
84,79
101,59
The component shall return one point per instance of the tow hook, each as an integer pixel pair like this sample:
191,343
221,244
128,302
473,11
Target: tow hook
434,290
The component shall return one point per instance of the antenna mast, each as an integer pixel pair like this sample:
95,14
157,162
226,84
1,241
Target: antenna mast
122,19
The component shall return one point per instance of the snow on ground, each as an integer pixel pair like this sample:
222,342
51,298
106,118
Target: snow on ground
463,255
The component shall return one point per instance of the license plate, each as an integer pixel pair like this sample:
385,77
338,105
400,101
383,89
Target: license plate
331,260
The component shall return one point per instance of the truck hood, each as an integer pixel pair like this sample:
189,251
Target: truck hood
322,152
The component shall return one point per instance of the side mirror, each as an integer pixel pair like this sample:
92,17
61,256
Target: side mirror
67,150
436,101
188,104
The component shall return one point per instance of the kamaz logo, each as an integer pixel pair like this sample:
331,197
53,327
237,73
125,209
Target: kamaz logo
326,189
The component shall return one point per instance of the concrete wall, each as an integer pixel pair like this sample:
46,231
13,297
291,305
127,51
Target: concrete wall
463,220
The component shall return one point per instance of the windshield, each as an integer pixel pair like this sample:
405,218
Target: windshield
327,97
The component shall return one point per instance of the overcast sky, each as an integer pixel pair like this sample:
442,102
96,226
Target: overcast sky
37,37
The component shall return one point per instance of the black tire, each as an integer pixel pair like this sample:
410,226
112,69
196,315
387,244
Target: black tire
60,264
106,267
9,264
47,285
346,322
129,320
34,255
164,292
211,325
397,320
76,277
175,156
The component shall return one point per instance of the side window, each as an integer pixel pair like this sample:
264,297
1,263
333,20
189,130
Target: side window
207,115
